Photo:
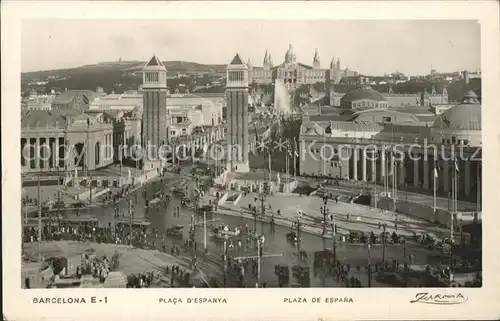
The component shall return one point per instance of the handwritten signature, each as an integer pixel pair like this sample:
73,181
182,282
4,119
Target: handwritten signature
440,298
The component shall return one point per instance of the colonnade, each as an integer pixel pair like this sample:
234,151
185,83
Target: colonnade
417,171
43,153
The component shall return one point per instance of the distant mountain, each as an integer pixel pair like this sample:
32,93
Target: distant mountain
183,67
115,76
173,67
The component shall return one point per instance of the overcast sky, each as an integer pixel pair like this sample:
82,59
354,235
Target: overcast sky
367,46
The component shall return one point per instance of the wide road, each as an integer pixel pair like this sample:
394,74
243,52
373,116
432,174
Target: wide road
163,217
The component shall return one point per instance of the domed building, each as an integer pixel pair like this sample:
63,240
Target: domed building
295,74
453,136
461,124
363,97
290,57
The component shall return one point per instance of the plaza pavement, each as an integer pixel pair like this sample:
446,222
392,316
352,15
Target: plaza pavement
132,260
353,188
361,218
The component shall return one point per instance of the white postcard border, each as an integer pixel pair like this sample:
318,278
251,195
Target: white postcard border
374,303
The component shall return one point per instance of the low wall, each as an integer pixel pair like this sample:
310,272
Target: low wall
238,198
426,213
104,191
223,198
86,195
288,187
144,178
440,216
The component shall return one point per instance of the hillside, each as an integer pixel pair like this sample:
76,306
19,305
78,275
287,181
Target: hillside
112,75
125,67
183,67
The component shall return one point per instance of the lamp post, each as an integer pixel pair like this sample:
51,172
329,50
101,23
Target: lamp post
324,211
369,265
334,238
297,233
262,199
226,237
383,245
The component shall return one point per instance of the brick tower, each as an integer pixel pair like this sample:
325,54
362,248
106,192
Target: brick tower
154,116
237,115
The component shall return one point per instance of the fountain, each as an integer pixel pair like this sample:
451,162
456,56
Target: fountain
281,98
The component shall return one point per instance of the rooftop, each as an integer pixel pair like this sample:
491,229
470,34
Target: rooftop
363,93
237,60
67,97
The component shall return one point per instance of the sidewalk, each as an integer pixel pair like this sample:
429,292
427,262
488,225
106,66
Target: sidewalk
361,218
441,202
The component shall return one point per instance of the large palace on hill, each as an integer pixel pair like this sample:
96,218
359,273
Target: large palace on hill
295,74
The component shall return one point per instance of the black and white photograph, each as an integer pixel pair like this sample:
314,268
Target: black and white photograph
249,153
264,169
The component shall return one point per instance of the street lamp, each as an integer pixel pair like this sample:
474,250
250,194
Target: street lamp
226,237
383,245
324,211
334,239
369,265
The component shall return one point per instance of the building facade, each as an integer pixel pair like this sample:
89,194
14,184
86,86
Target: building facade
362,150
38,102
294,74
237,116
200,109
154,118
74,99
396,100
65,140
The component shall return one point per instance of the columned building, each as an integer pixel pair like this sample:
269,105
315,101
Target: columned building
65,140
237,116
362,150
154,115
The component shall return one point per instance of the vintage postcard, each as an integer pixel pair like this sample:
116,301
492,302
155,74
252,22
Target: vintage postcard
291,161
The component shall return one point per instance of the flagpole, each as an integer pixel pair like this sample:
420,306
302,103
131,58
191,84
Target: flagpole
324,158
286,164
295,160
386,177
453,196
393,176
454,209
435,188
270,174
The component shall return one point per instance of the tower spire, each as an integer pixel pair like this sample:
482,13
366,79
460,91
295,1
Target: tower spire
316,63
154,132
316,56
237,115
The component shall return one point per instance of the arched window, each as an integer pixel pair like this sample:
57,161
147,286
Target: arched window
79,157
97,154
